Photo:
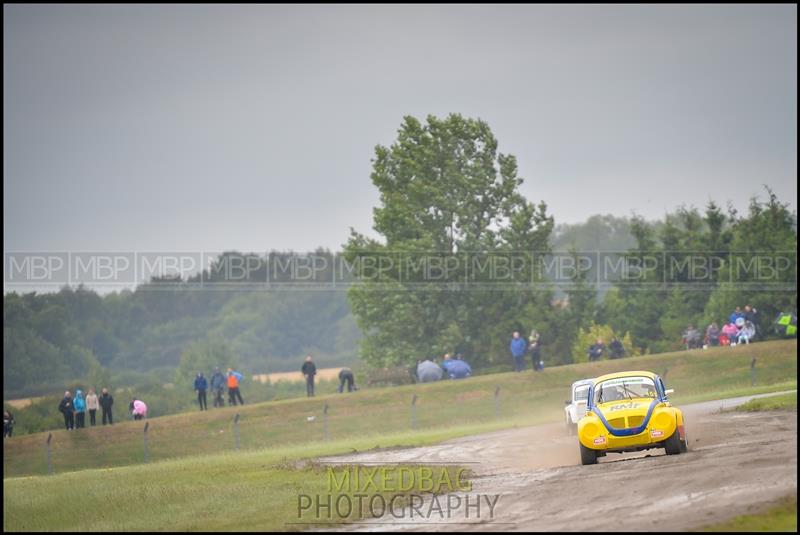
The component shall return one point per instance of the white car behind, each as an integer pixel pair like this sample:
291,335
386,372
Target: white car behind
576,405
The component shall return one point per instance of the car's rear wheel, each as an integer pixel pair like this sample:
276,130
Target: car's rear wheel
673,444
588,456
685,442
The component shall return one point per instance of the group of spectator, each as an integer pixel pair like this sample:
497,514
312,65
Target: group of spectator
741,328
231,379
74,409
452,367
615,349
309,371
520,347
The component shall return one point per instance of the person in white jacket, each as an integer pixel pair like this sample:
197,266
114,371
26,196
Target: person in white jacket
91,405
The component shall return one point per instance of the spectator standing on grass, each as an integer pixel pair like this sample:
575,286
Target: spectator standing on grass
80,409
615,349
446,360
412,371
68,410
218,388
106,401
346,376
91,406
535,348
138,409
458,369
428,371
597,350
518,347
309,370
8,424
735,315
234,379
200,386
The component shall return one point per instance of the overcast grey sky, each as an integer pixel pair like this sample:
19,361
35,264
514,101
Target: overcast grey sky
252,127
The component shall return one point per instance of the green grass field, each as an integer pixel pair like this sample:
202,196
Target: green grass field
781,517
441,408
784,402
196,481
252,491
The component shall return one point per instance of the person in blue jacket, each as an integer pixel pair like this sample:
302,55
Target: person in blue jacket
428,371
736,314
446,360
457,368
518,348
200,386
218,387
79,405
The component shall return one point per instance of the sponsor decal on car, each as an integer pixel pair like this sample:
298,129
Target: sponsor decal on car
655,433
600,440
623,406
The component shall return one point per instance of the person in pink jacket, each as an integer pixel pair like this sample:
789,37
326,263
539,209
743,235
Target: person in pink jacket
138,409
731,331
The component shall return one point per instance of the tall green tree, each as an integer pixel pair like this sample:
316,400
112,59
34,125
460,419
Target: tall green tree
446,190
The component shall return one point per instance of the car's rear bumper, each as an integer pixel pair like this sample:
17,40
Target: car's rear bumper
647,439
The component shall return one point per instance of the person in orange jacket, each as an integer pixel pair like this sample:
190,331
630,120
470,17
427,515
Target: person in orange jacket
233,387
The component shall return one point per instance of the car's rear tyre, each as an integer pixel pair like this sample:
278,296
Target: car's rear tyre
588,456
685,442
673,444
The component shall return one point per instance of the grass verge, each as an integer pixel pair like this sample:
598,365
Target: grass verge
781,517
783,402
444,409
223,492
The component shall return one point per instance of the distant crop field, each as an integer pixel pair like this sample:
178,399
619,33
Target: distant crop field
22,403
322,373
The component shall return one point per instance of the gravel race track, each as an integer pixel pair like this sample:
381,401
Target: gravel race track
737,464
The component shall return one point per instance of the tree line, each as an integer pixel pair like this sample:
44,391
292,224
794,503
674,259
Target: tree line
444,189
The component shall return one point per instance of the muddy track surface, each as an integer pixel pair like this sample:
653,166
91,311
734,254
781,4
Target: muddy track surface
737,464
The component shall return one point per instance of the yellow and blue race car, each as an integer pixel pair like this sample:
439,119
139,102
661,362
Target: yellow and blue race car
630,411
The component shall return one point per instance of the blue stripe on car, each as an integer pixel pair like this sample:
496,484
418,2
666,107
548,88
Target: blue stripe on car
630,431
